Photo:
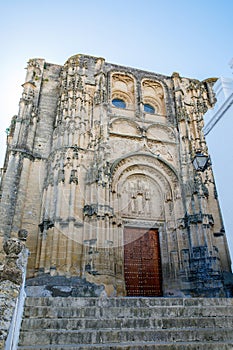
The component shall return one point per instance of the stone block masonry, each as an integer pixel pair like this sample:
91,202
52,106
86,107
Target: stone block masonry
127,323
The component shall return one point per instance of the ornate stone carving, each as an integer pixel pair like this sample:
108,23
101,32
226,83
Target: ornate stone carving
98,210
152,93
123,88
109,167
160,149
12,271
12,247
140,198
104,174
61,175
28,93
73,177
23,234
161,132
196,218
100,94
68,163
35,65
145,161
91,174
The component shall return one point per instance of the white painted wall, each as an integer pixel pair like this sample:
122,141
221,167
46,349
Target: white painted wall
219,135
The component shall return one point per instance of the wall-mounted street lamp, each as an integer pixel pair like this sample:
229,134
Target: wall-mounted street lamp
201,161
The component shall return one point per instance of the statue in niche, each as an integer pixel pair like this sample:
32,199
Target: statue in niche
147,201
68,161
61,175
75,151
73,177
79,84
139,198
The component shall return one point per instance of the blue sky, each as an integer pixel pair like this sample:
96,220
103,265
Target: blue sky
193,38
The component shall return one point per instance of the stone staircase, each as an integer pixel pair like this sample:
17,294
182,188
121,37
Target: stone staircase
127,323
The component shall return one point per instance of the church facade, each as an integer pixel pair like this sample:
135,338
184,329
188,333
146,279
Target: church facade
100,170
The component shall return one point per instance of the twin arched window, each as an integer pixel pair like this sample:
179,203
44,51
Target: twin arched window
124,96
119,103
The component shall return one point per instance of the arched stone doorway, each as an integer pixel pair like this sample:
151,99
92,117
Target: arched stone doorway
143,196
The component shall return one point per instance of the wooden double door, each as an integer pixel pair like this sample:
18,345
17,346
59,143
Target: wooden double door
142,262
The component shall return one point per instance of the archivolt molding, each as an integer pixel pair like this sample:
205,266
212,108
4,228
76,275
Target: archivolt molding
149,172
160,169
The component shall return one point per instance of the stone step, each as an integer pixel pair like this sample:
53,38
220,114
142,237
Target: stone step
129,323
105,336
130,312
127,302
138,346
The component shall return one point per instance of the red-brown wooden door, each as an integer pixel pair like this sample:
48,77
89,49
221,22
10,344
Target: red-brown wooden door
142,263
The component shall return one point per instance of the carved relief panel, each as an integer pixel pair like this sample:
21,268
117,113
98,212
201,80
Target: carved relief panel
141,198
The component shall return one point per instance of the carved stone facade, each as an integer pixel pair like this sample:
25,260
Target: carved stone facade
99,148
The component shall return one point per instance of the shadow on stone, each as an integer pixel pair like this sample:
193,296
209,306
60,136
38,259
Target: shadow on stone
61,286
